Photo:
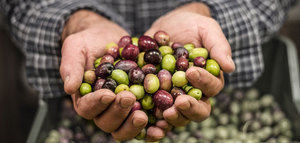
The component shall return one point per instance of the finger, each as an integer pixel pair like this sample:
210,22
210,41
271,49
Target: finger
215,42
163,124
72,65
154,134
115,115
206,82
192,109
92,104
132,127
174,117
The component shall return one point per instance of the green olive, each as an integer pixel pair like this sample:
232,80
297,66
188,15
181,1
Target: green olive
116,62
191,64
147,102
141,135
120,52
189,47
212,67
121,87
168,63
158,68
198,52
141,62
135,41
97,62
120,76
164,50
85,88
89,76
112,44
196,93
151,83
187,88
179,79
138,91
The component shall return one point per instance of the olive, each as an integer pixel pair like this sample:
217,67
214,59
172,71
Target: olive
112,49
107,59
141,135
120,52
120,76
99,84
158,113
130,52
116,62
121,87
138,91
151,83
124,41
110,84
181,52
141,62
147,43
189,47
162,38
176,92
136,106
187,88
126,65
164,50
198,52
149,68
212,67
85,88
153,57
147,102
151,119
162,100
182,64
97,62
165,80
169,63
200,62
104,70
179,79
136,75
191,64
89,76
135,41
176,45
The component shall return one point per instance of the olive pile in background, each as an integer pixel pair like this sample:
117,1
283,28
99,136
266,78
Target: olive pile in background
153,69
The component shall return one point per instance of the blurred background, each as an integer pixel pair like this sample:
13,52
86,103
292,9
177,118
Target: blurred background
19,103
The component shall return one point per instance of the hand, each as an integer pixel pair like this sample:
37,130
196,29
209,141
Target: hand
191,23
84,38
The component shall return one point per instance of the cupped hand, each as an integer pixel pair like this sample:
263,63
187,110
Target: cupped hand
191,23
84,38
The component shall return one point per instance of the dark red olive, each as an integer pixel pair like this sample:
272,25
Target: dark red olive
165,80
125,65
136,106
136,75
182,64
124,41
110,84
162,38
181,52
176,45
176,92
149,68
113,51
107,59
162,100
147,43
200,62
153,57
99,83
104,70
130,52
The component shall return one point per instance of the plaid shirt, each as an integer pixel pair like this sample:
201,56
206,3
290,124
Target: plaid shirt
36,26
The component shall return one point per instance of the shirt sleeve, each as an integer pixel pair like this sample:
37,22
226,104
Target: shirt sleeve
36,27
247,24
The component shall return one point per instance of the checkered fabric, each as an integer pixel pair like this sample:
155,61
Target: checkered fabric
36,26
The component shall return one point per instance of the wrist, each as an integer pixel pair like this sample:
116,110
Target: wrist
195,7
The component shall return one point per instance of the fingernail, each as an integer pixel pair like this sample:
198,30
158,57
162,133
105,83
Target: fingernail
173,116
126,102
184,105
67,79
229,59
106,99
138,122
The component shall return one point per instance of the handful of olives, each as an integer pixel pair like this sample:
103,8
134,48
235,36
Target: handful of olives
153,69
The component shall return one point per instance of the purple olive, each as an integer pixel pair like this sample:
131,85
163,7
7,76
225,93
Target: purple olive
182,64
113,51
158,113
130,52
176,45
175,92
149,68
162,38
110,84
153,57
136,75
147,43
136,106
165,80
124,41
162,100
99,84
104,70
107,59
200,62
126,65
181,52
